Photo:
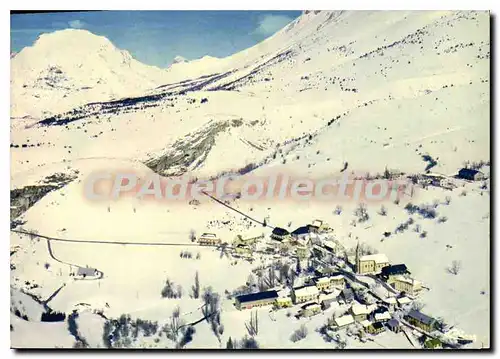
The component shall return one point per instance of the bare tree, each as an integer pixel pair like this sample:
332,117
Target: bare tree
441,325
261,283
417,305
250,280
361,213
383,211
298,268
178,293
271,278
172,328
292,275
192,235
168,290
338,210
196,286
253,325
299,334
248,343
187,335
32,233
211,302
284,273
455,267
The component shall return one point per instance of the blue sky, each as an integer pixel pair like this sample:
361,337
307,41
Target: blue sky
156,37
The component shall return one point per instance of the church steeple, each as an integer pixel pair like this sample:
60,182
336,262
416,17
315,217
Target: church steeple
358,249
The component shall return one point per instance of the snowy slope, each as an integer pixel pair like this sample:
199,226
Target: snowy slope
374,89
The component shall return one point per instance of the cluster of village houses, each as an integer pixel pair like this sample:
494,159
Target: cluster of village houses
329,286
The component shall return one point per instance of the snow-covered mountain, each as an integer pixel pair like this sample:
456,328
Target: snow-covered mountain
179,59
372,89
71,67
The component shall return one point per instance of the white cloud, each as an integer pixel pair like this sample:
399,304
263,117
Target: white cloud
76,24
269,24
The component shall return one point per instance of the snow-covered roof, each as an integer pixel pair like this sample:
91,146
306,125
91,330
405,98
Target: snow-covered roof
407,280
312,306
209,235
333,295
378,258
323,280
302,241
308,290
329,244
344,320
328,279
284,293
420,317
365,323
283,299
382,316
317,223
404,300
358,309
86,271
390,300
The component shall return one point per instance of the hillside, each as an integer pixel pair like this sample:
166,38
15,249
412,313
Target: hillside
403,91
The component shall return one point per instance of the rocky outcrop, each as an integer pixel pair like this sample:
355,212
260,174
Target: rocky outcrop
191,151
21,199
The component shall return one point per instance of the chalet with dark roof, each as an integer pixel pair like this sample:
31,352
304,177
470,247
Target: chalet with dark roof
260,299
280,234
391,271
420,320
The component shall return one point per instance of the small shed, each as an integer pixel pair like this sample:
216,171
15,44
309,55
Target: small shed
283,302
86,272
375,328
433,343
471,174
